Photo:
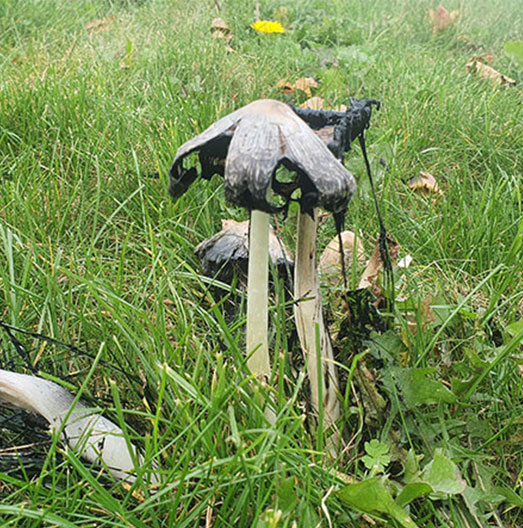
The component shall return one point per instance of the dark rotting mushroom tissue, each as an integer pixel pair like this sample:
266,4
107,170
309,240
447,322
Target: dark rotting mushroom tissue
249,145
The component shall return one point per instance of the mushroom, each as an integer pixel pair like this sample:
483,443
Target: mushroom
247,147
226,253
339,129
345,127
85,430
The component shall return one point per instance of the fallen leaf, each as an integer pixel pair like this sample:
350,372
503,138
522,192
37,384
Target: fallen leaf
425,182
441,19
285,87
325,134
267,26
477,65
315,103
330,265
220,29
100,24
375,263
281,15
305,84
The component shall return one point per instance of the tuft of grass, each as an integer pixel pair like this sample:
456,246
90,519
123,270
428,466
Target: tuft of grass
94,253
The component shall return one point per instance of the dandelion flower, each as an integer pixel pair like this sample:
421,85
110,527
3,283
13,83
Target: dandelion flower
267,26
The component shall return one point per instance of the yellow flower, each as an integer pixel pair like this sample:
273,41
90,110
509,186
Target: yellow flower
267,26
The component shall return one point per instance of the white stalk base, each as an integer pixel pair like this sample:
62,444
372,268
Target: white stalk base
309,316
257,300
94,437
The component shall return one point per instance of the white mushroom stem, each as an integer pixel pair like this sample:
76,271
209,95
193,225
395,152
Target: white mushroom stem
92,436
308,313
257,296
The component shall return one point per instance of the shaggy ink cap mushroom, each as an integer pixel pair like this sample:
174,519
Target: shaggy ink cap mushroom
249,145
345,127
226,253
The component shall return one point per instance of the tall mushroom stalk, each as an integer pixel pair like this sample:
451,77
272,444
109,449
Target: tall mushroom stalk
257,295
247,147
85,430
310,324
338,130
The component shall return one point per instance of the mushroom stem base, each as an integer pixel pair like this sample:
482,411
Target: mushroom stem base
257,300
312,332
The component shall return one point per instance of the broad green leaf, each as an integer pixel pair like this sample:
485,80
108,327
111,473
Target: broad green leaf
412,470
372,496
418,389
375,448
510,496
287,498
514,49
387,346
376,457
413,491
443,475
514,328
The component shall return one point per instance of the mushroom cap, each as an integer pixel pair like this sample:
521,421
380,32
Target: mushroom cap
219,24
227,252
247,147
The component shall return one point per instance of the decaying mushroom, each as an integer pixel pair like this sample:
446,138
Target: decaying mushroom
94,437
226,253
339,129
255,141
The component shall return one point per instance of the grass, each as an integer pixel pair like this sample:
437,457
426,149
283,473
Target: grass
94,253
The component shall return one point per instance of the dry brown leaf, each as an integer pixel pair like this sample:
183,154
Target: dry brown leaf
220,29
424,182
325,134
315,103
305,84
330,265
100,24
285,87
441,19
423,317
375,263
281,15
477,65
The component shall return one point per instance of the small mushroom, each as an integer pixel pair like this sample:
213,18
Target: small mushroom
226,253
85,430
220,29
254,142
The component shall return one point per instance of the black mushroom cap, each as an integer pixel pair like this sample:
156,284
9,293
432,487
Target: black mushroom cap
247,147
340,129
226,253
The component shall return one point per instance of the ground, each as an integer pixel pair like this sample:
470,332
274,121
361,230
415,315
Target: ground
95,98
